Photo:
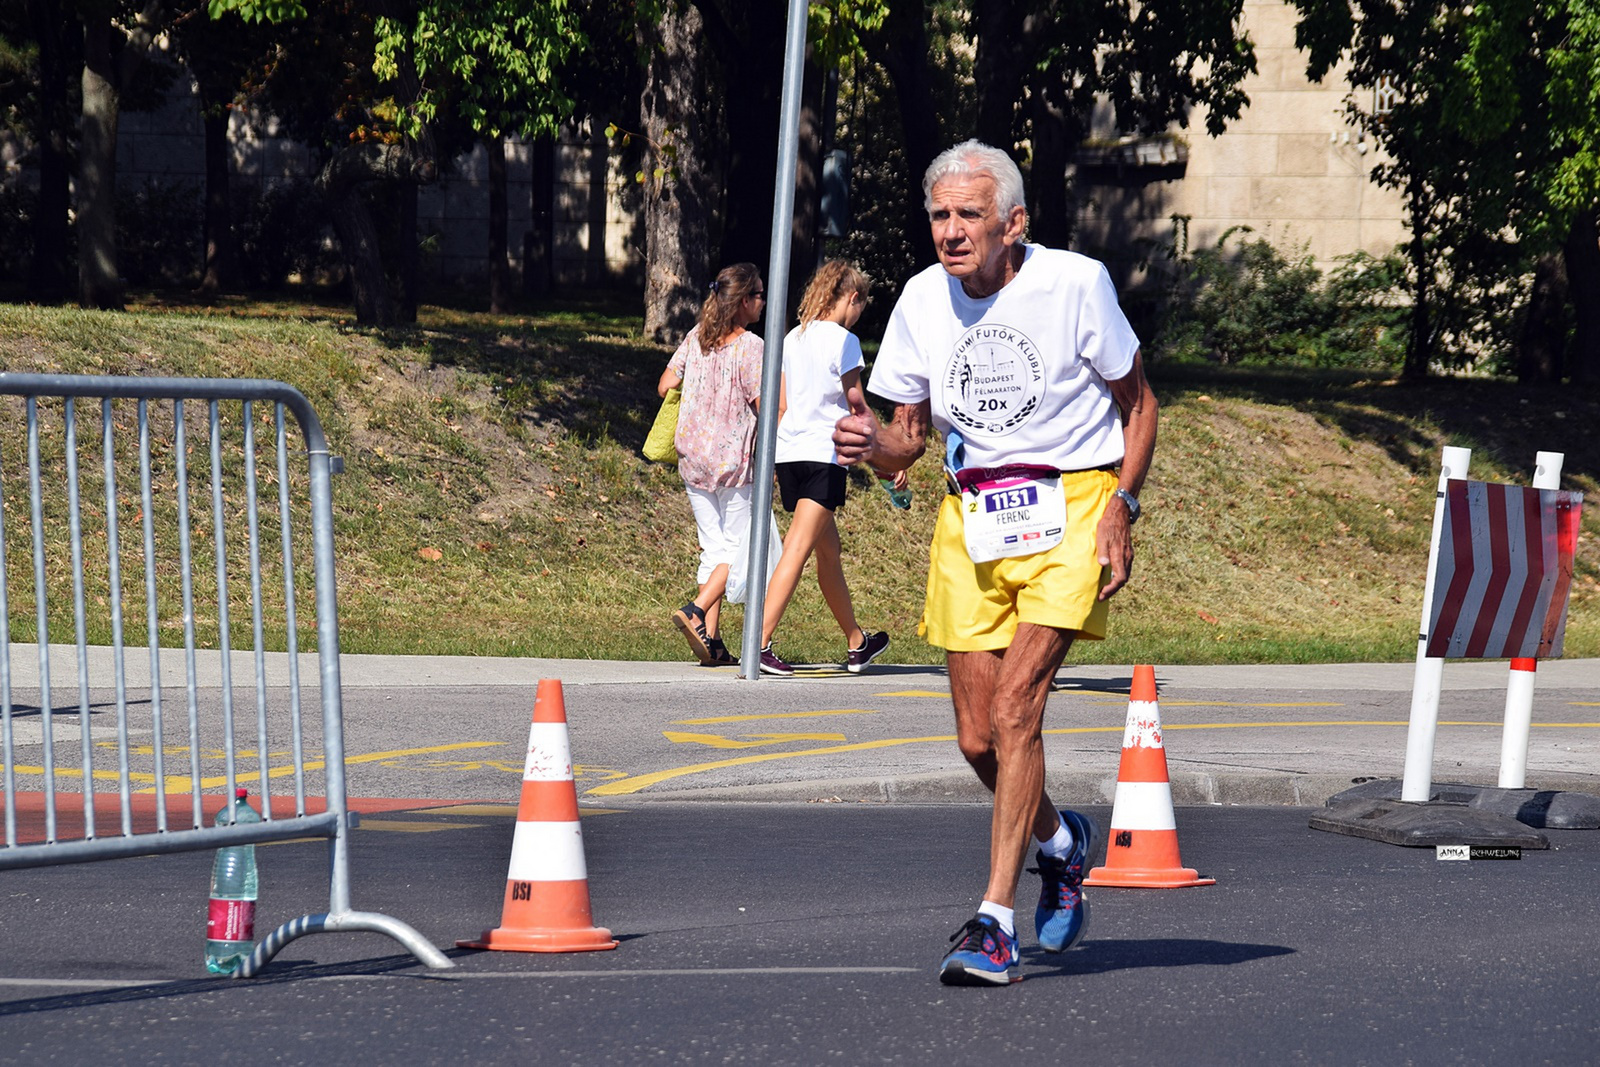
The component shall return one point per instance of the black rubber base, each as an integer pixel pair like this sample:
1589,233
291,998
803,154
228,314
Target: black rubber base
1424,825
1549,809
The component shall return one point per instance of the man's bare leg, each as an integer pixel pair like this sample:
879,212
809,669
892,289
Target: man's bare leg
999,702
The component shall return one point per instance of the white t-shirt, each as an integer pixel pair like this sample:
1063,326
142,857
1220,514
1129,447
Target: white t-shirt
1022,374
814,359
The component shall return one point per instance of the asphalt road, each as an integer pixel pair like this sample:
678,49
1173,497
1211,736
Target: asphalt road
806,934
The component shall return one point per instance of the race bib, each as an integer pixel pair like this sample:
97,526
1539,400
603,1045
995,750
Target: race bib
1015,516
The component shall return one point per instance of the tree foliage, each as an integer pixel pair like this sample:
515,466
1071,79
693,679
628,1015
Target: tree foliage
1489,132
493,63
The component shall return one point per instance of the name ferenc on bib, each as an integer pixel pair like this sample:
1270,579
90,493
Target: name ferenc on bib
1013,516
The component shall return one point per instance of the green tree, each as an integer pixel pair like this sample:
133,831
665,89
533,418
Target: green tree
492,66
486,65
1487,122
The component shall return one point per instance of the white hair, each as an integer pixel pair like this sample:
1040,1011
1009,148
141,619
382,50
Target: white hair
970,159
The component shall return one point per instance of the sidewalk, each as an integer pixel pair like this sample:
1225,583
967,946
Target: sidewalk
1235,734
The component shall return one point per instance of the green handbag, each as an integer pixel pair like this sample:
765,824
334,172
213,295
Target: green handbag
658,446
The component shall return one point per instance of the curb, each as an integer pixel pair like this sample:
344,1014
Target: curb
1189,789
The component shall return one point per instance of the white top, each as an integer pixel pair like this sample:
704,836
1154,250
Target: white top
814,359
1022,374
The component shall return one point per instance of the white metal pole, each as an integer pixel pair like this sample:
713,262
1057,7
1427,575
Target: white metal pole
1519,686
755,597
1425,686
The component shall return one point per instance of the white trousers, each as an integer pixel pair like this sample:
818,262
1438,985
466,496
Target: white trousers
721,517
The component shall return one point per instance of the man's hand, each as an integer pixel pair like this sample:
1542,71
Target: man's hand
1113,542
855,435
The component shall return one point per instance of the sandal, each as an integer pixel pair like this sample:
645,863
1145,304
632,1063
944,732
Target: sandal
691,619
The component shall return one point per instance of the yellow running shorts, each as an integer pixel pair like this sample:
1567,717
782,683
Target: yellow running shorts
973,607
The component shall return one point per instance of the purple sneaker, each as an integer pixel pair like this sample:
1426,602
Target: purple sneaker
771,664
872,646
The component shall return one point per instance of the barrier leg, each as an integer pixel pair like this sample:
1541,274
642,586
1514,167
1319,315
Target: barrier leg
1429,678
351,921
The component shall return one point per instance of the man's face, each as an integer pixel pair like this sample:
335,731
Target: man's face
971,237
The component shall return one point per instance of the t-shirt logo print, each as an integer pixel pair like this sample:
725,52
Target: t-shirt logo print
994,380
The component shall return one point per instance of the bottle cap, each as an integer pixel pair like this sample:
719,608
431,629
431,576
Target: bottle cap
241,792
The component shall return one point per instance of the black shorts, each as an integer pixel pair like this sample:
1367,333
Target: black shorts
806,480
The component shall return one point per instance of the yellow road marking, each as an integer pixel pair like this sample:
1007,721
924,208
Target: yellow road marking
1237,704
475,809
917,693
639,782
773,715
718,741
181,783
412,827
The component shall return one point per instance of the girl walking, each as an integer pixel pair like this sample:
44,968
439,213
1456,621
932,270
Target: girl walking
719,367
821,359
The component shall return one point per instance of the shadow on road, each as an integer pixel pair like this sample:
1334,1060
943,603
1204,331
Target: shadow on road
1098,957
275,973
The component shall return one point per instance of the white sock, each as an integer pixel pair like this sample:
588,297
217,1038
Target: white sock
1006,917
1060,844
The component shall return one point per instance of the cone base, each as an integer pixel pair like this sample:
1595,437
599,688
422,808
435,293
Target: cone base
592,939
1147,878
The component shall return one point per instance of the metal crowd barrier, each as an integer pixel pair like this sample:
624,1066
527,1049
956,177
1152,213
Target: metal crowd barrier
76,543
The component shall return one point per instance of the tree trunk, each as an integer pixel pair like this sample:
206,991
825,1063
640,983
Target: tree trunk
677,207
538,247
1542,339
410,252
358,237
901,47
998,71
60,51
805,242
1419,345
1582,254
99,283
1055,134
111,54
746,68
499,264
218,275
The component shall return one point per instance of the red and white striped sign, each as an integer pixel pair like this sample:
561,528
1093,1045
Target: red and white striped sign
1504,571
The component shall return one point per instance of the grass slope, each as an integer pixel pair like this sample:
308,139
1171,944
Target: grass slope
1287,513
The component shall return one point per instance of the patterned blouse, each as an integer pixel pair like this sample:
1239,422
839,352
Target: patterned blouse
716,425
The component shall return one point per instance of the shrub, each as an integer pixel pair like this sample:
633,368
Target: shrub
159,234
1254,305
18,203
279,233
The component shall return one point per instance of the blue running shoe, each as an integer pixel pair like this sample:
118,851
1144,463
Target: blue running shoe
1062,917
983,954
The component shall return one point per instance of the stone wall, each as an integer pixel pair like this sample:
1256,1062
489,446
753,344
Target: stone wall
1291,167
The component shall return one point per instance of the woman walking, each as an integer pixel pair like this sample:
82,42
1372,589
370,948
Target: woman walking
719,367
821,360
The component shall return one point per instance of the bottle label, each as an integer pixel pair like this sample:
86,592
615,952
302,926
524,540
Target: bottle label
231,920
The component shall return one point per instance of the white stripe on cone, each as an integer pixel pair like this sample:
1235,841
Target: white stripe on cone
1143,806
547,852
549,757
1144,725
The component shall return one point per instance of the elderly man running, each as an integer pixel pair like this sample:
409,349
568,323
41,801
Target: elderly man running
1021,357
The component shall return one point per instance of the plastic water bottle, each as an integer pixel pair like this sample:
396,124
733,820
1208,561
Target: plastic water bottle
231,919
898,498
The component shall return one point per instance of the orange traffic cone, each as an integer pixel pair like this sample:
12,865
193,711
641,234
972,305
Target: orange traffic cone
547,890
1143,849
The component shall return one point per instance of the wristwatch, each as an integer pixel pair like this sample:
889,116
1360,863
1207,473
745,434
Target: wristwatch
1132,502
